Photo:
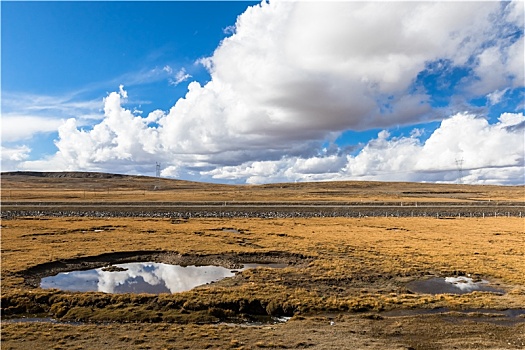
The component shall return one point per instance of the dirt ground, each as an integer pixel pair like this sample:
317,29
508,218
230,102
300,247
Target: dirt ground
343,331
344,287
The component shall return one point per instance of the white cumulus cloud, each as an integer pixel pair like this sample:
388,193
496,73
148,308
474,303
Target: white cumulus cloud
490,153
295,75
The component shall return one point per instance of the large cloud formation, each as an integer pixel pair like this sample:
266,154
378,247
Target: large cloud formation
489,154
295,75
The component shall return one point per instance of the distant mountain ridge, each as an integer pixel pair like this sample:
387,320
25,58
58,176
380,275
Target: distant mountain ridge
65,174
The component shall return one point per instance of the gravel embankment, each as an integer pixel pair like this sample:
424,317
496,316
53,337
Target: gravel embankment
259,210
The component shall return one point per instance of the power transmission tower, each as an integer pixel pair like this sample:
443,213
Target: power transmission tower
157,169
459,165
157,175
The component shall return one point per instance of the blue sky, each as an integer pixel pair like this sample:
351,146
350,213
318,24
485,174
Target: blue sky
249,92
62,46
87,49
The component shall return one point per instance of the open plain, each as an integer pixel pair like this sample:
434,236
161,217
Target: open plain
351,250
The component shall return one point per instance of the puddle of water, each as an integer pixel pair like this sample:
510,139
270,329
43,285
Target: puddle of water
451,285
153,278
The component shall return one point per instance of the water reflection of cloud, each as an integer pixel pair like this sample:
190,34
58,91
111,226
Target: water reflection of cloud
108,281
138,278
465,283
178,278
174,278
451,285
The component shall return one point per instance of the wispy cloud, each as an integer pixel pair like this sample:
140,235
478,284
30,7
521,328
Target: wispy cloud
495,97
22,127
24,115
229,30
151,75
62,105
180,77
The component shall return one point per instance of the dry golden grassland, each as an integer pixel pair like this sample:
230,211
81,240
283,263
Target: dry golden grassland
375,250
137,188
347,271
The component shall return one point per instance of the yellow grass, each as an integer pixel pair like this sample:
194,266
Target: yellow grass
133,188
340,249
349,264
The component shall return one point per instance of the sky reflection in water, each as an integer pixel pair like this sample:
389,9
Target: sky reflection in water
451,285
148,277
